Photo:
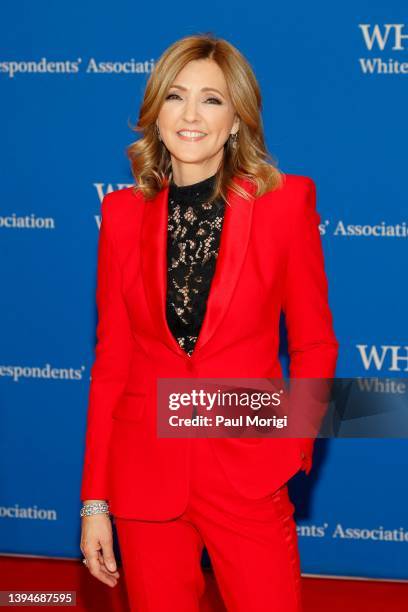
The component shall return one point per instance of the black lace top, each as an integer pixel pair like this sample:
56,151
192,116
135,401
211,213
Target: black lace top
193,238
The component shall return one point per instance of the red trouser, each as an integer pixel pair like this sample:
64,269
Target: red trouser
252,545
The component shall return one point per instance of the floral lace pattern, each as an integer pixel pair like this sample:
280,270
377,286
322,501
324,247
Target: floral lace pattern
193,238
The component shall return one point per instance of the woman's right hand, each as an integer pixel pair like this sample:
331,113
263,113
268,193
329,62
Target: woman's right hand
97,547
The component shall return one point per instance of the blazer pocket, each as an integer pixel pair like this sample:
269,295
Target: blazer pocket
130,407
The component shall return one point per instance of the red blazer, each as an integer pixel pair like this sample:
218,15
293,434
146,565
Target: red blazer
270,259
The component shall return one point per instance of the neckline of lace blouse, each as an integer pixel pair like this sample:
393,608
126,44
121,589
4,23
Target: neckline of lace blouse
196,192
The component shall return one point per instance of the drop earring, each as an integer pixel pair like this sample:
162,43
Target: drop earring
233,139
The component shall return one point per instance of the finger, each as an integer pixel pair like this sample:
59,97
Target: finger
92,558
106,578
102,562
96,569
111,577
108,556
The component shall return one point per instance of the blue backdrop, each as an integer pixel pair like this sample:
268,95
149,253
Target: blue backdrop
334,83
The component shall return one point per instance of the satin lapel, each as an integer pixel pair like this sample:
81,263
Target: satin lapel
231,254
154,264
232,250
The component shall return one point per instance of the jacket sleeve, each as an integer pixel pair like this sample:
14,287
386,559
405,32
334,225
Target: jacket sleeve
110,368
312,344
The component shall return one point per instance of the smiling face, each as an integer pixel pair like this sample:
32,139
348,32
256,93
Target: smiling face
195,120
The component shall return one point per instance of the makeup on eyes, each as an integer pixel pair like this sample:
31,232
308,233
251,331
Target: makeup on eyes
217,100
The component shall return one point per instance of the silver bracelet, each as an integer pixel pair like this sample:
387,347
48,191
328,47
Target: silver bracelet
95,508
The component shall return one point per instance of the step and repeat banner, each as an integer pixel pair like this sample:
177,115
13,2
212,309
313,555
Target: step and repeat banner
334,85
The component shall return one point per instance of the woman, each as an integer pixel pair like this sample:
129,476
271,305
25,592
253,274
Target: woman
194,268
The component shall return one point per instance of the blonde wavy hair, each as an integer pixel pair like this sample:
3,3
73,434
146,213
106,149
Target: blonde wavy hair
150,159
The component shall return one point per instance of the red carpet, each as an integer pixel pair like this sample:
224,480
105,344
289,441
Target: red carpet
320,595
